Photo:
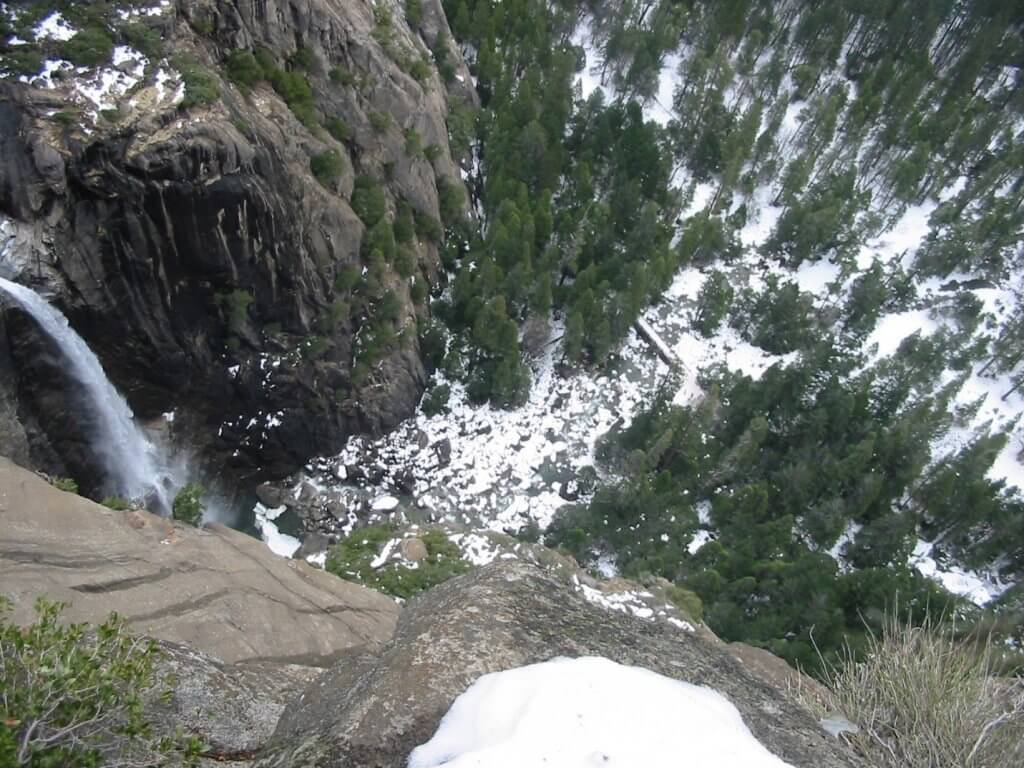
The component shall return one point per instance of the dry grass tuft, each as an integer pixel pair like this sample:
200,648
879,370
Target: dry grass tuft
923,699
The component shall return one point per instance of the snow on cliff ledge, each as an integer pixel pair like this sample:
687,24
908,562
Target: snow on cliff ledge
578,713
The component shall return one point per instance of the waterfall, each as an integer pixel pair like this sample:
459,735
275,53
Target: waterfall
133,464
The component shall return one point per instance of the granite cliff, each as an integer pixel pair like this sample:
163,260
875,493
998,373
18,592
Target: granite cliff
196,224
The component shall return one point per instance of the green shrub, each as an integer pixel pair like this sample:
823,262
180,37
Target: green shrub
338,128
67,117
330,320
144,39
347,278
315,347
243,69
302,59
405,261
91,47
236,305
428,227
413,143
450,199
65,484
436,400
418,291
418,68
686,601
432,152
188,504
380,121
342,76
297,93
351,558
24,60
73,696
413,12
201,85
117,503
405,223
327,167
368,200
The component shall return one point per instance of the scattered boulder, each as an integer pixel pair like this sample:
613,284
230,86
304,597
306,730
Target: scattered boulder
312,544
270,495
405,481
413,549
443,451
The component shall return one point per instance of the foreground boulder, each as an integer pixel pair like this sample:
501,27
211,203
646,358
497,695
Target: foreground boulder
232,708
216,590
372,709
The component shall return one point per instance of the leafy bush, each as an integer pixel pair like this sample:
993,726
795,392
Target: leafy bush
117,503
347,278
368,200
302,58
428,227
380,121
413,12
73,696
236,305
327,167
65,484
338,128
201,85
91,47
144,39
341,76
188,504
351,560
436,400
315,347
450,199
923,699
243,69
22,61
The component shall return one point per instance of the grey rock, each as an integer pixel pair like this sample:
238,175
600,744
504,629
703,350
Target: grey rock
443,450
270,495
233,708
312,544
372,710
216,590
405,481
413,549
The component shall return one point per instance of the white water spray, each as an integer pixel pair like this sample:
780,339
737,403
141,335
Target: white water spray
133,464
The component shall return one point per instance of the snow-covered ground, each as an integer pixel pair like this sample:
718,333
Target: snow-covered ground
569,713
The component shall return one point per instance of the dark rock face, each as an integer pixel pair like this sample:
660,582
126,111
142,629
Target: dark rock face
197,254
372,710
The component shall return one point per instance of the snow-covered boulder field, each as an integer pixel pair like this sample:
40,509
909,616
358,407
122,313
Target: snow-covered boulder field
579,713
508,665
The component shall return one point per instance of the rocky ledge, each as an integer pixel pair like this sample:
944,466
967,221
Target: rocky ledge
216,590
372,709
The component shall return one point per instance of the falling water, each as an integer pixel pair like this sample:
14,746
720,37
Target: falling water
132,463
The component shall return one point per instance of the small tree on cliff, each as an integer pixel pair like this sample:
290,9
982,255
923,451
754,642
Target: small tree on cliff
188,504
73,696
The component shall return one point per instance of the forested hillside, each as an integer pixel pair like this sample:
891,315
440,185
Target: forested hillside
841,185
